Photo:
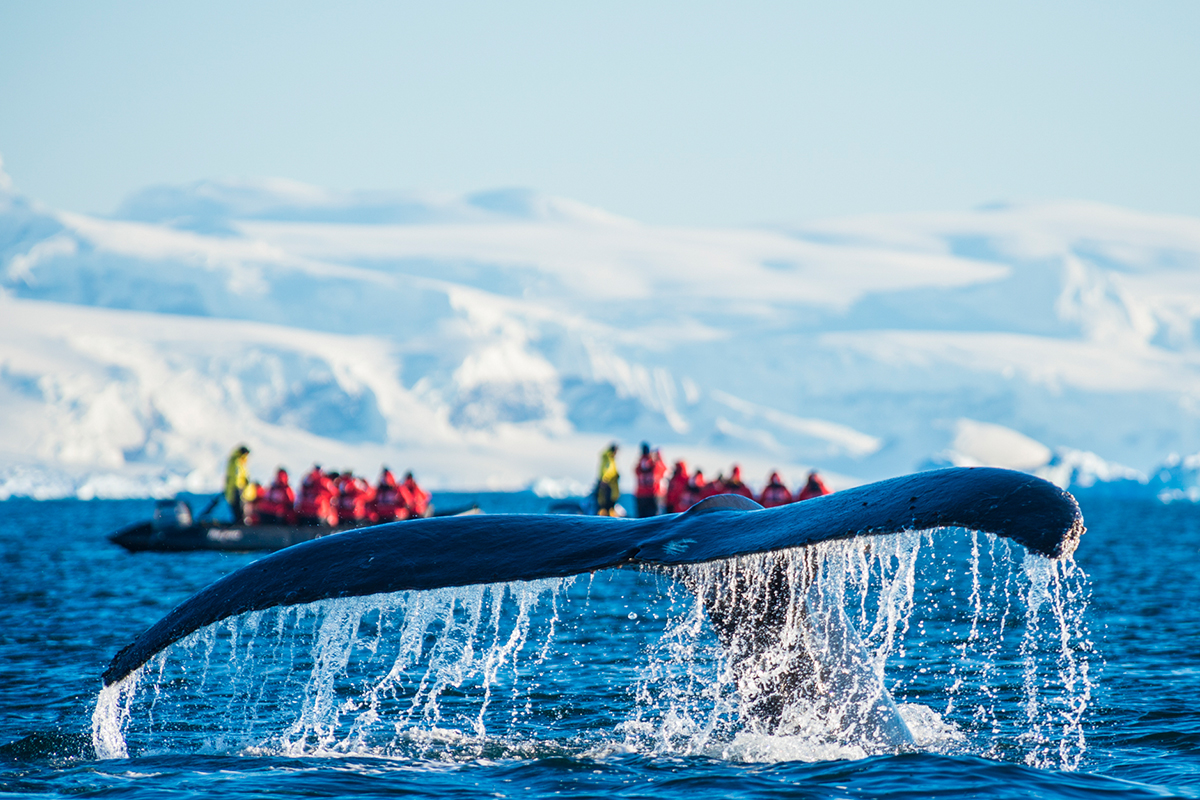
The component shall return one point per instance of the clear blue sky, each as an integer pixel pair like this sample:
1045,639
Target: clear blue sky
669,112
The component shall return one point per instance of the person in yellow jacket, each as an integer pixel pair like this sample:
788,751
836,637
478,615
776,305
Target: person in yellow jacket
237,478
608,486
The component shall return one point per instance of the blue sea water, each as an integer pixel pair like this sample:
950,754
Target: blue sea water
1020,678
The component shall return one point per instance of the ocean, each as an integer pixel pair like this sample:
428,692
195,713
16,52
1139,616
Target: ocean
1018,677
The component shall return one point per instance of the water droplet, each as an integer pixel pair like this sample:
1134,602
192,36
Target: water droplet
632,615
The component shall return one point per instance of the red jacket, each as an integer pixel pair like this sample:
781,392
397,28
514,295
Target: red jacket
693,492
713,488
418,498
649,473
317,495
676,487
353,501
391,501
279,501
814,488
775,493
735,486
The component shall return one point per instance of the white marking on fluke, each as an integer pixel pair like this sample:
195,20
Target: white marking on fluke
677,547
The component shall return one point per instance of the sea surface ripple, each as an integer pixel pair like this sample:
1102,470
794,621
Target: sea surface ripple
70,600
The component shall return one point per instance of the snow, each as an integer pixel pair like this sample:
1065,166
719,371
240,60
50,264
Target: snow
501,339
976,444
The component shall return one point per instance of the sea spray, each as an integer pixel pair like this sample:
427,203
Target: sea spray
1056,658
799,665
111,716
982,650
957,618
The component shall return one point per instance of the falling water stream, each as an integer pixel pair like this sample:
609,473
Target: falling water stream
982,647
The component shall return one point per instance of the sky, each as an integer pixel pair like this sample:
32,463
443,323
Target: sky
676,113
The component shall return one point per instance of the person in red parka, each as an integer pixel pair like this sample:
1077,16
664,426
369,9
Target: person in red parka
316,505
252,497
391,501
693,491
713,487
278,505
734,485
648,472
775,493
354,497
676,487
418,498
815,487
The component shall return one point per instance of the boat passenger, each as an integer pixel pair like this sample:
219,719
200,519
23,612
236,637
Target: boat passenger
608,484
251,496
713,487
237,478
354,497
693,491
649,470
316,505
416,497
775,493
814,487
676,487
391,501
278,506
734,484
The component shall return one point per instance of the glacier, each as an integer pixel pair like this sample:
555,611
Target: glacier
500,340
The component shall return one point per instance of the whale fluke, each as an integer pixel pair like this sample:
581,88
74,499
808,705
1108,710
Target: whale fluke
459,551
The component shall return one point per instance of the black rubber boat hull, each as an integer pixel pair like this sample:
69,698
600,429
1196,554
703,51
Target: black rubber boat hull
143,537
146,537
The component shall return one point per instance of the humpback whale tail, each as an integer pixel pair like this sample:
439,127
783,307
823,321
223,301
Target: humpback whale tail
788,645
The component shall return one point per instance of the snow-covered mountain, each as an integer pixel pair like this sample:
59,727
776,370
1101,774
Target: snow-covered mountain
501,339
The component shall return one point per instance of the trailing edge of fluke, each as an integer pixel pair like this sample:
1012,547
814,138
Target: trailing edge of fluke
460,551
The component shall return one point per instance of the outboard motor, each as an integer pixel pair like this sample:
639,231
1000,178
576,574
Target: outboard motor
172,514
